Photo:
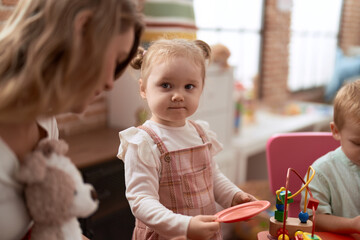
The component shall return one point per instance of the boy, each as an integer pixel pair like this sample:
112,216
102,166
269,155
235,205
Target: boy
337,180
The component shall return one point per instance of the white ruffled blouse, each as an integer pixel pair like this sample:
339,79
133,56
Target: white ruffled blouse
142,166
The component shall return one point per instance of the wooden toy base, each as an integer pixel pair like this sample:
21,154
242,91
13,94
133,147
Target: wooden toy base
292,225
264,235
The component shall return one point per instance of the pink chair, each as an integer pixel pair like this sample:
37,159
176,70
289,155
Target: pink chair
296,150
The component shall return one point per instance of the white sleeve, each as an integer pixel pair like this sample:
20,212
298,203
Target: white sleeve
142,186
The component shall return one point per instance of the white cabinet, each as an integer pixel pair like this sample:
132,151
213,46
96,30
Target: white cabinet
216,103
217,108
124,101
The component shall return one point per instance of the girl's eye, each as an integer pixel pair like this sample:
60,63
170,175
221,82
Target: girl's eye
189,86
165,85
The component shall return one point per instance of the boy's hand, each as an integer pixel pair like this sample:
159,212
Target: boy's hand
355,236
242,197
202,227
356,221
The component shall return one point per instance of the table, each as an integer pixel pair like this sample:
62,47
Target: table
252,138
324,235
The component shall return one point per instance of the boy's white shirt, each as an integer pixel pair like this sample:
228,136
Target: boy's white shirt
142,165
336,185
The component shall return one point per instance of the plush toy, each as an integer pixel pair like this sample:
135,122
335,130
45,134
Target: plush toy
55,192
220,55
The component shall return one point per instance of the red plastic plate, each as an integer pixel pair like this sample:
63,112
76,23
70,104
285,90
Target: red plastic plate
242,212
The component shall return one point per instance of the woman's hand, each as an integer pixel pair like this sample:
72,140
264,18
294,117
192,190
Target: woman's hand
242,197
202,227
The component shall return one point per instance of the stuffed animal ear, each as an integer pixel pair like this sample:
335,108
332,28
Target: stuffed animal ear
32,169
49,146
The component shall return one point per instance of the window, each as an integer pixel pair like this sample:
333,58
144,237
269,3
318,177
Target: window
237,25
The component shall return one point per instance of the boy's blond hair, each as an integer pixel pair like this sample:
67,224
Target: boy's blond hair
42,73
347,104
162,50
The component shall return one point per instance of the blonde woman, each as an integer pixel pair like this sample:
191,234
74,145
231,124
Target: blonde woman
55,57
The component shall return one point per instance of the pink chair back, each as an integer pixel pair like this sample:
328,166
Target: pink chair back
296,150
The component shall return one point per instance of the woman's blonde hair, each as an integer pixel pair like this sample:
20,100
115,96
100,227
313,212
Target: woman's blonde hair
347,104
162,50
42,73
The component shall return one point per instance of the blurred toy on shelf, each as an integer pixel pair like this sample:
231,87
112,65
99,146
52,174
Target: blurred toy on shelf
245,104
250,102
239,92
249,108
293,108
220,55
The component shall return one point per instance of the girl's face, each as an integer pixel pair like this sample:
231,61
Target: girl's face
349,137
117,52
173,90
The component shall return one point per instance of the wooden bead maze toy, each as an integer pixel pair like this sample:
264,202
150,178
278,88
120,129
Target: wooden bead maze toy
286,228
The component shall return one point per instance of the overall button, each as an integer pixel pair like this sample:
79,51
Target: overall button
167,158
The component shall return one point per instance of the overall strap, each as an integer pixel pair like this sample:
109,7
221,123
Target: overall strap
155,138
200,131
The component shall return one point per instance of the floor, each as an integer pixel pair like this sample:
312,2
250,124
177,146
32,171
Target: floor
248,230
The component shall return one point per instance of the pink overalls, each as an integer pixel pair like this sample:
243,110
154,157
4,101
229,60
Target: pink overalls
185,184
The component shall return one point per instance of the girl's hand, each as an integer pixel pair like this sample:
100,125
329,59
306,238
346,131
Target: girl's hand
202,227
242,197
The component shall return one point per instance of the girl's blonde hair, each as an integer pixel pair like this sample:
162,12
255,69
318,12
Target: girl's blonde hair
347,104
42,73
162,50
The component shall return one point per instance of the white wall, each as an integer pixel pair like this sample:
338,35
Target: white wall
124,100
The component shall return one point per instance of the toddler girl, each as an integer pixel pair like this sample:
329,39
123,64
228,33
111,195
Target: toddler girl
172,181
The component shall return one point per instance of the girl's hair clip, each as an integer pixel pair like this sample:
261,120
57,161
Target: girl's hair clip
144,52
